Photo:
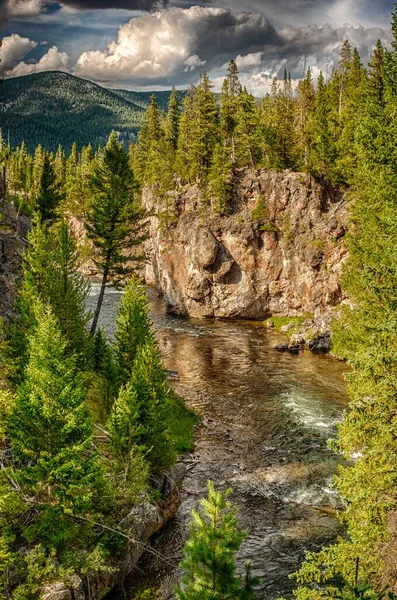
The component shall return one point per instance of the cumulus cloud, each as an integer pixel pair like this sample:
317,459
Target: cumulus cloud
158,47
15,48
171,46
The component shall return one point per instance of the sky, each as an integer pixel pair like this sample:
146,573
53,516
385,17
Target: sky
155,44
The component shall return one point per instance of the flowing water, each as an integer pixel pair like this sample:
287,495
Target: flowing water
265,420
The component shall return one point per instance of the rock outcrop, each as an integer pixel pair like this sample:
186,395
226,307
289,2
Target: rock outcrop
13,231
279,253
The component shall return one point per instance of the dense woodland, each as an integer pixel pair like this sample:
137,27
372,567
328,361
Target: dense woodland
84,422
53,108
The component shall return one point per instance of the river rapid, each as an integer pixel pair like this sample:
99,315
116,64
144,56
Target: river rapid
265,421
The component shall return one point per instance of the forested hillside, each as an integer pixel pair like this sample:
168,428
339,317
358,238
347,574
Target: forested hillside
55,108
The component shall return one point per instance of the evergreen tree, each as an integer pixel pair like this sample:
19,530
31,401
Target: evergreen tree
366,336
322,154
220,180
148,154
68,290
304,111
230,91
115,220
50,433
247,132
209,554
149,391
172,121
49,192
204,130
134,327
183,154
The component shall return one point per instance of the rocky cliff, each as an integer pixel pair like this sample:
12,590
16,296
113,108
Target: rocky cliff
13,231
279,252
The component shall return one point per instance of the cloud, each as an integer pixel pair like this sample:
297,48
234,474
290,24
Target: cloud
158,47
145,5
170,47
19,8
15,48
14,9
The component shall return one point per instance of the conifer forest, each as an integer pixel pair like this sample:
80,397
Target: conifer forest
146,453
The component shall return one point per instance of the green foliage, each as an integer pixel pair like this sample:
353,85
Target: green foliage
366,336
50,275
115,220
295,322
209,554
181,423
50,108
49,190
134,327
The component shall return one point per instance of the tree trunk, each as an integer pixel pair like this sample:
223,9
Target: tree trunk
100,301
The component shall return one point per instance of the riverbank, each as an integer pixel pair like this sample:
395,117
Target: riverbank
265,421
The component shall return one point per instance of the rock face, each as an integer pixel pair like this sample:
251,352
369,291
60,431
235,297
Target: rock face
286,261
13,231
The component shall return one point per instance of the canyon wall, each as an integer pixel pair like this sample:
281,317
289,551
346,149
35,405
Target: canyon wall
279,252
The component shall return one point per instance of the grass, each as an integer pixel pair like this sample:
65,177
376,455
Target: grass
297,322
182,423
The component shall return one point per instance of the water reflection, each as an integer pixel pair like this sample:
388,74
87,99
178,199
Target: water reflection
265,421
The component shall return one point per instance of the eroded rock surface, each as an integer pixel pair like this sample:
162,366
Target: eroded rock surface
288,262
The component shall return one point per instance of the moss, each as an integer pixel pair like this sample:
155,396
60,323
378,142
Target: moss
297,322
182,423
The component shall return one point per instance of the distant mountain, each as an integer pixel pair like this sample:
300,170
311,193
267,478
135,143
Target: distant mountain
55,108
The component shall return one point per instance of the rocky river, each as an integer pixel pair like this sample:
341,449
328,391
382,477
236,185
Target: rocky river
265,421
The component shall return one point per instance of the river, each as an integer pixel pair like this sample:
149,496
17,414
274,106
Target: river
265,420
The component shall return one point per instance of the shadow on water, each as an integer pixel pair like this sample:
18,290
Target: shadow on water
265,421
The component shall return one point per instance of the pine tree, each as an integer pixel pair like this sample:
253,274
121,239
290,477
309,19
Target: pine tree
220,180
49,193
204,130
322,154
376,76
50,433
183,154
148,153
149,389
68,290
304,110
36,267
247,132
134,327
209,554
105,365
366,337
115,220
172,121
231,89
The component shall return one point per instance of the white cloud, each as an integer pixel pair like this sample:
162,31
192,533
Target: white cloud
249,60
13,49
53,60
171,42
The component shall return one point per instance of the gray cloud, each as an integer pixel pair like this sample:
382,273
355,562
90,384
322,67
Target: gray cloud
172,46
145,5
14,9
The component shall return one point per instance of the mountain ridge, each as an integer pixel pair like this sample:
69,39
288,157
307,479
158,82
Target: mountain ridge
55,108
